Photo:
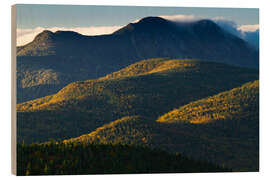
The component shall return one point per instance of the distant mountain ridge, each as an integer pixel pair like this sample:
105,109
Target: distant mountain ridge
160,37
68,56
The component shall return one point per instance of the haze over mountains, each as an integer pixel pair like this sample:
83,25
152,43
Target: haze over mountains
52,60
249,33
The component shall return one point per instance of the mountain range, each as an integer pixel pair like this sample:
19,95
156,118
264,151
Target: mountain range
55,59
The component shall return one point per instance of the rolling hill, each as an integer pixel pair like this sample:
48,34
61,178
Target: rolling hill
223,129
53,60
148,88
237,107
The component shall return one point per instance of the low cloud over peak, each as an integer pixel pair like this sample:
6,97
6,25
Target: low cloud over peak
250,33
180,18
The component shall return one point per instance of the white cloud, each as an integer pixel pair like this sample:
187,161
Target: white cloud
185,18
248,28
25,36
180,17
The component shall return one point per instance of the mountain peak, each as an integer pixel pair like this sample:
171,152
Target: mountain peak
153,24
152,20
47,37
206,22
44,36
46,32
66,34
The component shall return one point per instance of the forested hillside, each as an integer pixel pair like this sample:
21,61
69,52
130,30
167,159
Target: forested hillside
87,105
79,159
230,137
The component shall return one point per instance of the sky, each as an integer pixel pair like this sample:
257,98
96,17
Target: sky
96,20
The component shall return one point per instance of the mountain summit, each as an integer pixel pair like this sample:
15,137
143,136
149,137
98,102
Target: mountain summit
158,24
148,24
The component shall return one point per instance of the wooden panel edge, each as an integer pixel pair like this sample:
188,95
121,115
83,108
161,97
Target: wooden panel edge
13,92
